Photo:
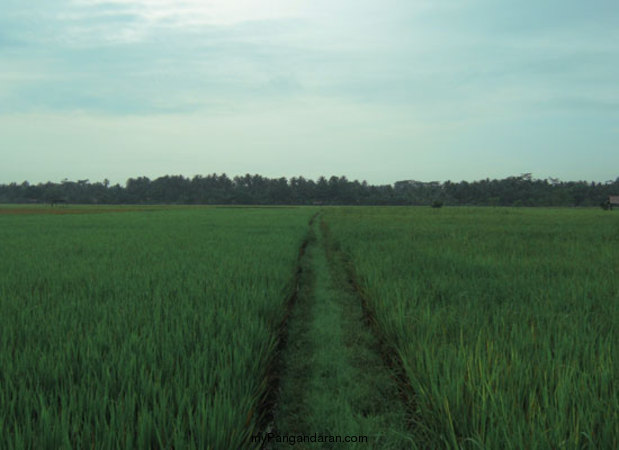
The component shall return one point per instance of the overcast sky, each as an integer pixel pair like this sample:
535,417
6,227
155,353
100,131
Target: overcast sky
376,90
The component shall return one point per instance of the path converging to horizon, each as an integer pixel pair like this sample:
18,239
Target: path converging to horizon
334,382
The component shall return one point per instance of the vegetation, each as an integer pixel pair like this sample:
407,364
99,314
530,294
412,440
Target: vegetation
174,327
333,378
504,320
521,190
143,329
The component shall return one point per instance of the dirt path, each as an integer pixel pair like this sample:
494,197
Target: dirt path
334,384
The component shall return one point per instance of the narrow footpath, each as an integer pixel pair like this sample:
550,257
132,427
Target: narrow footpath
333,380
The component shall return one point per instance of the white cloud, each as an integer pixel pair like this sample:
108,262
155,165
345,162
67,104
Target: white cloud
419,81
198,12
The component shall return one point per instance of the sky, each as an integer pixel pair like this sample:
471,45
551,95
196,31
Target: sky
379,91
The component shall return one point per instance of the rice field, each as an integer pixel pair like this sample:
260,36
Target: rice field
157,327
148,329
505,320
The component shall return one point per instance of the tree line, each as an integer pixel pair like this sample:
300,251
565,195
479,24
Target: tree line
522,190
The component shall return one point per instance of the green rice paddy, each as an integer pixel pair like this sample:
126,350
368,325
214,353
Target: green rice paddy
169,327
140,329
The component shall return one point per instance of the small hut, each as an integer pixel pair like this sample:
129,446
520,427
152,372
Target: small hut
613,200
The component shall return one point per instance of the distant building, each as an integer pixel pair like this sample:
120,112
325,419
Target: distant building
415,184
613,200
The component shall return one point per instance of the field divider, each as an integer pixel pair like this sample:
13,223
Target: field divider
389,353
267,403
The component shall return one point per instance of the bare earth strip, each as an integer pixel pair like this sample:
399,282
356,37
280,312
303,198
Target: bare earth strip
62,211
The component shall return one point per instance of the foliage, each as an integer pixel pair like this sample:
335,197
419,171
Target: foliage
156,329
334,379
140,330
505,320
522,190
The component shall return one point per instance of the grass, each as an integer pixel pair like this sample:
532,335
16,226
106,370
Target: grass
157,328
334,381
140,330
505,319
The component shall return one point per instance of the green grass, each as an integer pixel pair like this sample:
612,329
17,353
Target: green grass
156,328
334,381
505,319
140,330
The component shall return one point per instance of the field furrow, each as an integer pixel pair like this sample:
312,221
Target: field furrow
334,383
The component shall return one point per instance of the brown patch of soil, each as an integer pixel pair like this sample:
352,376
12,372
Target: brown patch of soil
61,211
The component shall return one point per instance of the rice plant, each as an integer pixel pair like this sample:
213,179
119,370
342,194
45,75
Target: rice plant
504,319
148,329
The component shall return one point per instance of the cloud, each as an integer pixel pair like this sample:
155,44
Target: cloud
188,14
136,55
